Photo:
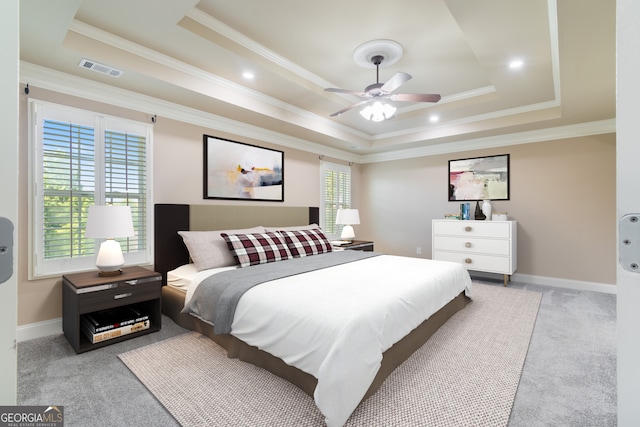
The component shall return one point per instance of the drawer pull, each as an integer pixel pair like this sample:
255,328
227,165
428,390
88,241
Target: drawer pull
120,296
468,261
468,228
131,282
467,244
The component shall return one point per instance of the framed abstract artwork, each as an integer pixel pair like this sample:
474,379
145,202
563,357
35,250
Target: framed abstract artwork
479,178
238,171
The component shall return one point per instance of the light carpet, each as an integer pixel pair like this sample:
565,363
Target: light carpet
467,374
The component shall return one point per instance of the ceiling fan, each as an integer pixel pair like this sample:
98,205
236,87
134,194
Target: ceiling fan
379,91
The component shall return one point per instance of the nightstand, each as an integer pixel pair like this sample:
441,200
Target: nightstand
357,245
84,293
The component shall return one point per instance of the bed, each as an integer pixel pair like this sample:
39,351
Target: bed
338,373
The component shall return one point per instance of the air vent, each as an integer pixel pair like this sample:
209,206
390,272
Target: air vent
100,68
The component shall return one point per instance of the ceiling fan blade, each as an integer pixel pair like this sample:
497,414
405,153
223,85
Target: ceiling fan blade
352,92
344,110
397,80
415,97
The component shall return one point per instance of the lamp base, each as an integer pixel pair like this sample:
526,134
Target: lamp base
109,273
348,233
110,259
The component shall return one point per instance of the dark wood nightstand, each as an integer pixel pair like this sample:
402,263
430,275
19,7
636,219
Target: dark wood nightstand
357,245
84,293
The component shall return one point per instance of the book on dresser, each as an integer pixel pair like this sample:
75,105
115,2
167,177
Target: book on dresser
111,323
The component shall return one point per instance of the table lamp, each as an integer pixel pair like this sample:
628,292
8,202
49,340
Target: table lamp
109,222
347,217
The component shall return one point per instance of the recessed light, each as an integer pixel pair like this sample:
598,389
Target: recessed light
248,75
516,63
434,118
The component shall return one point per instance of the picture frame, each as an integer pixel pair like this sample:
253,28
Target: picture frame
237,171
479,178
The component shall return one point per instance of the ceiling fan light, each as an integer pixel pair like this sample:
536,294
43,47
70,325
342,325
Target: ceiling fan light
389,111
378,111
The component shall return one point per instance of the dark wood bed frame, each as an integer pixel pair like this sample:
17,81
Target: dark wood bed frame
170,252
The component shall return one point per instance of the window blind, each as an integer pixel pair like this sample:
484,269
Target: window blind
68,188
336,194
125,182
82,159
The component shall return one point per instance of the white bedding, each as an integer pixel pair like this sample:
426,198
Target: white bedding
335,323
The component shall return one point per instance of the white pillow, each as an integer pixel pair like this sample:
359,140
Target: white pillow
209,250
182,276
293,228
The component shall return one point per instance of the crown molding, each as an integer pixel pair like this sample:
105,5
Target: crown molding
46,78
531,108
549,134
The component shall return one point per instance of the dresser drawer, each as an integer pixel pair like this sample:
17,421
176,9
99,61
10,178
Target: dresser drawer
495,264
493,229
472,245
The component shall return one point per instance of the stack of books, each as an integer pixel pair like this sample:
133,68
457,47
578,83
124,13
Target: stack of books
112,323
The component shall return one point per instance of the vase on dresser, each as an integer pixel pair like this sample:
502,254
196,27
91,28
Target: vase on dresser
479,215
486,209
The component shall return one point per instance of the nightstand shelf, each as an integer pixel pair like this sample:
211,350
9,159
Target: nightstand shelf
84,293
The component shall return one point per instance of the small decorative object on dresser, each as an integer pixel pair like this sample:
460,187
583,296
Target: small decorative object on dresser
465,211
486,209
478,245
499,216
479,215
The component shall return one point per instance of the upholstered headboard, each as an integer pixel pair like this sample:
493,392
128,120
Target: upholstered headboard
169,250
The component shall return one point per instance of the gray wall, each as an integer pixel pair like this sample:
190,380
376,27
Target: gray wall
562,195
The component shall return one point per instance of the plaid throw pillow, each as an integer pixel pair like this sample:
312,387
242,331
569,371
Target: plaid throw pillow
256,248
306,242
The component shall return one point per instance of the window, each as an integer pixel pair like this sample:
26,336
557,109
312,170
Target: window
335,181
80,158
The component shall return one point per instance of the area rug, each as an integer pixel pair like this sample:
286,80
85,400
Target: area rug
467,374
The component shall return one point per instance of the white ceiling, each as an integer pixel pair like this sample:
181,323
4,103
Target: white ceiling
192,54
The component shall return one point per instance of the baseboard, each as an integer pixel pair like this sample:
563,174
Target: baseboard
552,281
39,329
566,283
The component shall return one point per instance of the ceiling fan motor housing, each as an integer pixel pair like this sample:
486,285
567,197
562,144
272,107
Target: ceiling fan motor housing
374,90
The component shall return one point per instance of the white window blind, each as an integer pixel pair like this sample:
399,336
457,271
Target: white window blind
336,194
82,159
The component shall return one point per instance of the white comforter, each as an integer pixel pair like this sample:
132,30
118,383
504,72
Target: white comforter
335,323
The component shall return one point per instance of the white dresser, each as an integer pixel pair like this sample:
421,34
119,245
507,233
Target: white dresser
489,246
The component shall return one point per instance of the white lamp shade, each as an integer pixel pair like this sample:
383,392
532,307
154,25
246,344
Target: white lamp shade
347,216
108,222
